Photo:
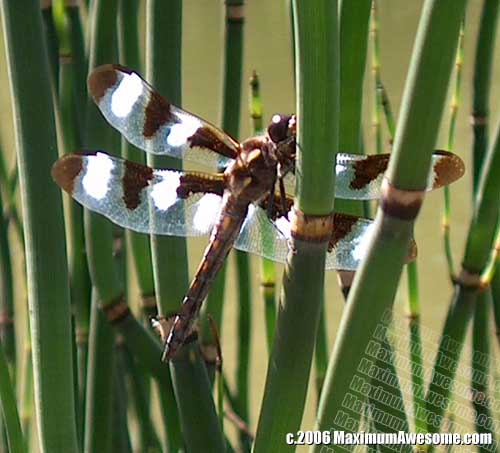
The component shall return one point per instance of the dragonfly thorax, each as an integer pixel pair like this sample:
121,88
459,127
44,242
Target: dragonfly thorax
253,173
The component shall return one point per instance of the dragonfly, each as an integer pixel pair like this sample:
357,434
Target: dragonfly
245,206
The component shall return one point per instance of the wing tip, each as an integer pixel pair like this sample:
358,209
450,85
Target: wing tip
447,169
104,77
65,170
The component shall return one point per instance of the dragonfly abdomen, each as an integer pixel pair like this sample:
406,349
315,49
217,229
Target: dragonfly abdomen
225,232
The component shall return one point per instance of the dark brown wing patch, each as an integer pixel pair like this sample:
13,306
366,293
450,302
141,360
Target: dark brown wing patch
342,226
100,79
207,137
157,113
448,169
368,169
193,182
135,178
65,170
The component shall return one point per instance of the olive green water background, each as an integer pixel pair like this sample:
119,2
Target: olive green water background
268,50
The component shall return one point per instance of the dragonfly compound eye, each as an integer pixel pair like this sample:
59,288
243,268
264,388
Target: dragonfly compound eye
278,128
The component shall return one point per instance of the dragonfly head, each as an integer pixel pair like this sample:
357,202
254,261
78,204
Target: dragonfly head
281,128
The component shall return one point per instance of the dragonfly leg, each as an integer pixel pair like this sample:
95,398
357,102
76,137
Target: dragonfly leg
283,206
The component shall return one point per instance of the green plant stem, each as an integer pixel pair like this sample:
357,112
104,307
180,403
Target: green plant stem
483,62
52,42
48,292
479,241
495,292
79,63
244,339
416,133
100,376
80,286
121,436
9,184
267,268
7,328
98,230
321,353
268,285
26,386
163,72
480,364
481,83
148,440
386,365
99,244
451,135
204,434
9,408
376,123
140,246
354,17
231,106
230,122
163,62
317,56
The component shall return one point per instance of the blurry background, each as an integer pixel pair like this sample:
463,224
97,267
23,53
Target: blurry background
268,51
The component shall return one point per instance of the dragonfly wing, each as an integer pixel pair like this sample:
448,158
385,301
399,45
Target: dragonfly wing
139,198
261,236
348,244
359,177
150,122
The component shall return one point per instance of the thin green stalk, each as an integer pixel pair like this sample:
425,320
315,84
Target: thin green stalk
128,44
7,328
489,271
268,286
495,292
26,389
148,439
267,268
386,366
376,123
415,347
121,436
459,60
98,230
480,111
244,341
354,18
231,106
389,385
9,408
163,58
100,376
204,433
99,244
481,83
481,365
9,184
479,242
230,122
80,287
416,133
321,354
163,63
79,62
317,57
481,87
48,292
51,41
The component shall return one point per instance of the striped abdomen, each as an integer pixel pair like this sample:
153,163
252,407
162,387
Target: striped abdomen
224,234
